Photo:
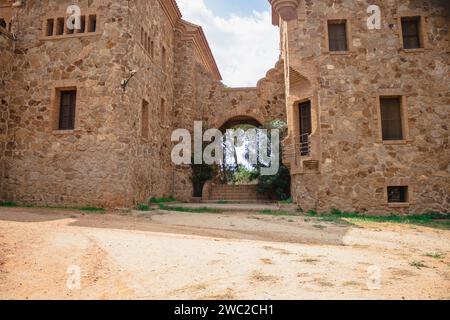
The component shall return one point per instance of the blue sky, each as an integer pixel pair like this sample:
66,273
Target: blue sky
242,38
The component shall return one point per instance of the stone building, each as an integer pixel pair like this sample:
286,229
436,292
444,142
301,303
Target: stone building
86,115
368,108
71,134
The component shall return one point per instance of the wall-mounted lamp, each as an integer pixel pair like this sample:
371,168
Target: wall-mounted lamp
124,83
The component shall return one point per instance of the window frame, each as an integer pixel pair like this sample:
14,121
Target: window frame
55,102
404,117
349,34
62,16
423,27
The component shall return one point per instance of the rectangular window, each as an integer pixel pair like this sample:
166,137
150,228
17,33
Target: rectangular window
391,118
144,120
67,106
82,24
337,35
92,25
145,41
163,112
152,49
60,26
49,27
397,194
142,36
163,58
305,127
411,33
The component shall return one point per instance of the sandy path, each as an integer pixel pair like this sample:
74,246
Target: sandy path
189,256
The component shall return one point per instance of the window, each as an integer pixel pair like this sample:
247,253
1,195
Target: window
49,27
163,112
391,118
144,120
305,127
67,110
411,33
163,57
3,23
60,26
82,24
92,25
152,49
397,194
337,35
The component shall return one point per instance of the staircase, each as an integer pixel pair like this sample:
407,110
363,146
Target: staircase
235,193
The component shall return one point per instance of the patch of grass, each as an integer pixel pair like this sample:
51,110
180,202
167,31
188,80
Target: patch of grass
287,201
311,213
90,209
143,207
222,202
418,264
8,204
277,213
434,220
190,210
435,255
163,200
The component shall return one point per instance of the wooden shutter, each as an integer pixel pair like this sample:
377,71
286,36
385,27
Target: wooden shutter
337,35
391,118
67,110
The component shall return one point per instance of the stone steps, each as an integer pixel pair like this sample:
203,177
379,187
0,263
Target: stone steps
244,193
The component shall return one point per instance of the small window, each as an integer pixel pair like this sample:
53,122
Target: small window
411,33
163,57
337,35
49,27
148,44
145,43
82,24
67,110
92,25
391,118
163,112
152,49
60,26
397,194
142,36
144,120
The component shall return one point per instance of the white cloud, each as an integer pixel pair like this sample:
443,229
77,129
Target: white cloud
245,47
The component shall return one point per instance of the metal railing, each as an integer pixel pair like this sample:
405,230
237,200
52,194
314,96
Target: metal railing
303,147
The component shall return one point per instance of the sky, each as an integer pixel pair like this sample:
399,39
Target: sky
240,33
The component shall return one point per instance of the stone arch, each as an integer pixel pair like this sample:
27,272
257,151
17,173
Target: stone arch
239,118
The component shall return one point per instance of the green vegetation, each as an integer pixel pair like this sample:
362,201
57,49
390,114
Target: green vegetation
162,200
418,264
8,204
143,207
435,255
287,201
86,209
434,220
190,210
222,202
277,213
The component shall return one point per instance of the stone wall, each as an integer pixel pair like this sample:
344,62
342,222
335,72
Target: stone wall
354,165
6,61
89,165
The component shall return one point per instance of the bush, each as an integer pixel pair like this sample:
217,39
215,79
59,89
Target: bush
143,207
162,200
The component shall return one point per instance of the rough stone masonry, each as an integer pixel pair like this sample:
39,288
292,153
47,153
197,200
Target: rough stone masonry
116,153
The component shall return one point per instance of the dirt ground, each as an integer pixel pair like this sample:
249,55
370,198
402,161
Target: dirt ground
211,256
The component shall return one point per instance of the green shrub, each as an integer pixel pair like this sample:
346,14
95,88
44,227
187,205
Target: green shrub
162,200
8,204
143,207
